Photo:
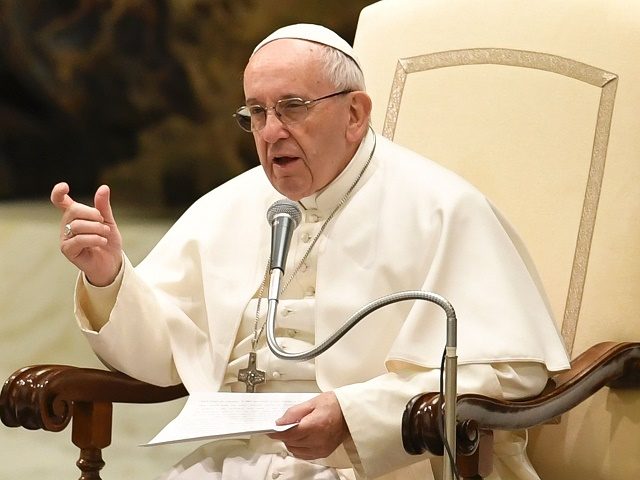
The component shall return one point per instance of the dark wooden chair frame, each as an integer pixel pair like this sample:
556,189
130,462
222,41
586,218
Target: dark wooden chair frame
610,364
48,397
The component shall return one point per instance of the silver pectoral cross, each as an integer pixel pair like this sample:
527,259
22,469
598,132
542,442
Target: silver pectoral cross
251,376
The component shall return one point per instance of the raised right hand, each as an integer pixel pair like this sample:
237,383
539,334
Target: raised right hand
94,244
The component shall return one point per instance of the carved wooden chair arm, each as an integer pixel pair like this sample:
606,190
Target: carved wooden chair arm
616,365
49,396
42,396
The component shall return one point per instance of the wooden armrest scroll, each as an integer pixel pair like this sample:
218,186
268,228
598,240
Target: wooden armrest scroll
41,396
48,396
616,365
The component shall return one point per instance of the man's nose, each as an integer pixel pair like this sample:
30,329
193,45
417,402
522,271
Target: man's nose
274,129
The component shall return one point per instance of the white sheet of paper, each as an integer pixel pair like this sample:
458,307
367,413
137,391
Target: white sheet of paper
227,415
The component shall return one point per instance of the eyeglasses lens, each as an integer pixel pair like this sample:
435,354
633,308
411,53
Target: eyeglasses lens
288,110
291,110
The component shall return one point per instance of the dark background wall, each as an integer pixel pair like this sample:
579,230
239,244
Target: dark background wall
134,93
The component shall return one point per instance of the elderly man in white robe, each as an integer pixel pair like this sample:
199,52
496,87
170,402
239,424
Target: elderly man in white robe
376,219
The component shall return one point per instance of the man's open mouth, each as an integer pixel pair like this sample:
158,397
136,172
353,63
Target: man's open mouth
284,160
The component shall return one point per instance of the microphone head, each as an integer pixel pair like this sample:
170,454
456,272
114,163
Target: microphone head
284,207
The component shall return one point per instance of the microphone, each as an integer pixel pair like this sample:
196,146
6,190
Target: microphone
283,216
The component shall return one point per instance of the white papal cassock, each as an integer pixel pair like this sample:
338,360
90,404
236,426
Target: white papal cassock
409,224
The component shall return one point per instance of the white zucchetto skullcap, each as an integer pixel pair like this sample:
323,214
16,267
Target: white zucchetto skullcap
312,33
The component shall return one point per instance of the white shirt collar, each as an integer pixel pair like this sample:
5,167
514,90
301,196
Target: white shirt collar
325,200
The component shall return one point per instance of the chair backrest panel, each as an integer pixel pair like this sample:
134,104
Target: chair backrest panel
531,97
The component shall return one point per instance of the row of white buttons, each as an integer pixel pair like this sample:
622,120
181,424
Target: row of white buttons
305,237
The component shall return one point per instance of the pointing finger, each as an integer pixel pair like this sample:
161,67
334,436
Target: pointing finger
102,202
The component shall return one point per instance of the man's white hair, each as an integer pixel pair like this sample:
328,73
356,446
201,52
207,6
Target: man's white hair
341,70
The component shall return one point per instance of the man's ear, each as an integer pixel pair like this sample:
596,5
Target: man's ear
359,115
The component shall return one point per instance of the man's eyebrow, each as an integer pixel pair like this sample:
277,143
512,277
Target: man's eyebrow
253,100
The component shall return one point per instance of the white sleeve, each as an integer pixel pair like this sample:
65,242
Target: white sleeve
120,328
93,304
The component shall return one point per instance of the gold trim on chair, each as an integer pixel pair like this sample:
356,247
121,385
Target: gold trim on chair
602,79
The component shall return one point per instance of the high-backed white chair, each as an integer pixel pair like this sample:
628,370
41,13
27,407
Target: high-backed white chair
537,104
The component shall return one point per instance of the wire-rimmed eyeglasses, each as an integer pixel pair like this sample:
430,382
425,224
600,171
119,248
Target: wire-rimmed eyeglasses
288,110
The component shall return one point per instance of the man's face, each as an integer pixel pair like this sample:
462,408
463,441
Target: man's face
302,158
